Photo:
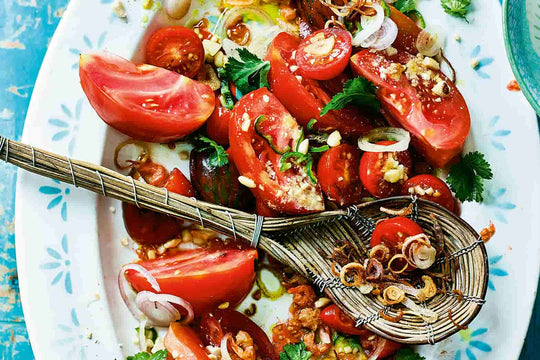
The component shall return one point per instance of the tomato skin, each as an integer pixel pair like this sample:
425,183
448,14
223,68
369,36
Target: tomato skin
176,48
327,66
425,181
148,227
407,31
392,232
338,174
182,343
372,343
152,173
371,171
217,125
233,321
305,100
119,91
439,130
205,278
263,210
178,183
338,320
253,155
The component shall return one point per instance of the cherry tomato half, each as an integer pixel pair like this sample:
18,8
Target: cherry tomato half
392,232
338,320
431,188
324,54
217,125
177,183
176,48
338,175
383,173
182,343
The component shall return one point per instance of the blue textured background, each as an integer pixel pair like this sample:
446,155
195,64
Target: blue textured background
26,27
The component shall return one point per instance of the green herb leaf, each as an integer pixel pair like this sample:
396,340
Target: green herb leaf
405,5
319,149
457,8
466,178
249,73
408,354
158,355
295,352
218,155
226,97
358,91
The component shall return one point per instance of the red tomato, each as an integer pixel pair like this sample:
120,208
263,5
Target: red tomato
306,98
377,347
324,54
148,227
176,48
263,210
337,172
437,190
407,31
377,171
182,343
439,125
217,125
338,320
290,191
392,232
178,183
142,101
152,173
221,321
205,278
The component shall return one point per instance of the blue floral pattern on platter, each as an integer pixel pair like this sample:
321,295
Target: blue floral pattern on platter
497,134
89,45
482,62
59,261
66,127
59,196
495,270
72,338
472,344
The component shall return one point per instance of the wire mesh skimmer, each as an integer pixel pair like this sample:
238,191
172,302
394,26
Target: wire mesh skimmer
305,242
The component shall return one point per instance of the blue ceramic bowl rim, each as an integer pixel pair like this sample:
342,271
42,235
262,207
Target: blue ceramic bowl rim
511,54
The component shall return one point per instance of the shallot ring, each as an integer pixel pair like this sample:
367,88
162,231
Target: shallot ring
352,267
393,319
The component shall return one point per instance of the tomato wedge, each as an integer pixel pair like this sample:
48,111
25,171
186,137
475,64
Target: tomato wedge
176,48
304,97
143,101
439,124
182,343
338,320
205,278
407,31
217,125
324,54
260,131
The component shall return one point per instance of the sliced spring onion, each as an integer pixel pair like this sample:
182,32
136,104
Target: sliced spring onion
370,24
285,165
382,38
319,149
262,284
309,169
430,40
401,136
311,123
268,138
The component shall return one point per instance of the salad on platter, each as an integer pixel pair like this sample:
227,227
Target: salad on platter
286,108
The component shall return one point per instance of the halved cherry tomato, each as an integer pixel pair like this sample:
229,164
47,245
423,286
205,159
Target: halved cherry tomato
324,54
439,125
337,171
383,173
221,321
142,101
407,31
338,320
217,125
148,227
392,232
205,278
176,48
182,343
257,159
304,97
431,188
377,347
178,183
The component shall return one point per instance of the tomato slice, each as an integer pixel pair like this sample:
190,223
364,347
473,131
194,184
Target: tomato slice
338,320
176,48
205,278
338,174
221,321
290,191
438,124
392,232
431,188
143,101
182,343
383,173
324,54
407,31
304,97
217,125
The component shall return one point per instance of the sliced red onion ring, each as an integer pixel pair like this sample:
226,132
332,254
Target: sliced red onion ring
401,136
123,284
382,38
418,251
225,347
159,309
370,24
141,270
430,40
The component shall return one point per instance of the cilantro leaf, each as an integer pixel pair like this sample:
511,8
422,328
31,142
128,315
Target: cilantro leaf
249,73
408,354
457,8
158,355
295,352
358,91
466,177
217,155
405,6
